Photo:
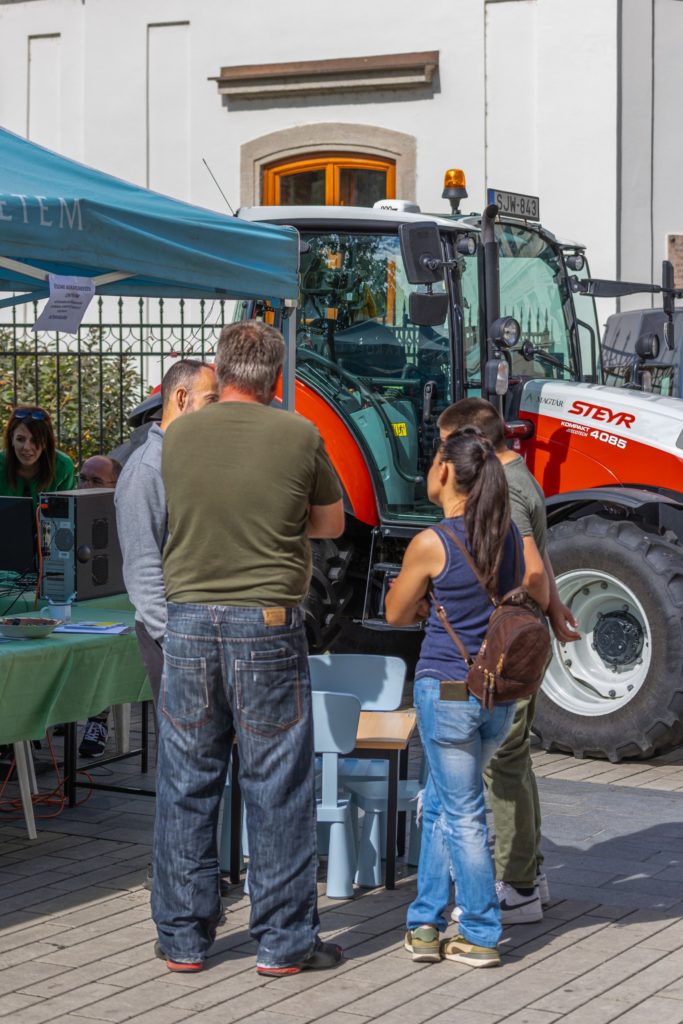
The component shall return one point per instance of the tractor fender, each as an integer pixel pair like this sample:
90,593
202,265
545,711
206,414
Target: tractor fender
345,454
654,509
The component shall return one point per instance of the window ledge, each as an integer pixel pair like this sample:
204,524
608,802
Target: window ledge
313,77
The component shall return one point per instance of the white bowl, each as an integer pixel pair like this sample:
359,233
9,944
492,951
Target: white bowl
21,627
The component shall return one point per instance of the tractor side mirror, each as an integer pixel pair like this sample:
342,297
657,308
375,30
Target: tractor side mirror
421,252
496,376
428,309
669,334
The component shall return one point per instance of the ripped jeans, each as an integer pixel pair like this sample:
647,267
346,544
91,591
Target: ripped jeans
459,739
236,670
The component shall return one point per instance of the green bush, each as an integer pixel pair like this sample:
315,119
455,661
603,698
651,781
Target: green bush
102,386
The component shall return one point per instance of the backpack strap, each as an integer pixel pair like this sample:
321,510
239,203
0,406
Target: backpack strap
443,619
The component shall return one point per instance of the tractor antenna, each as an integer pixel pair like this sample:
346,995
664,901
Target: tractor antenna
218,186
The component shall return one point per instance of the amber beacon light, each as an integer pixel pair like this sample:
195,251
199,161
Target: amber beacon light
454,187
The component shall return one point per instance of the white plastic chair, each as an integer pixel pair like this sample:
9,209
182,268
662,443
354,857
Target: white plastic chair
335,724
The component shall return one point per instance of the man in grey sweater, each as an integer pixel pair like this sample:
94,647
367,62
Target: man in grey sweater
141,516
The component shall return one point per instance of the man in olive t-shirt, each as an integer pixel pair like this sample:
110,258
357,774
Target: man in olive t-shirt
247,486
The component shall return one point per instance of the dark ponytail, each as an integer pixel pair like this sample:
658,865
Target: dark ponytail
481,477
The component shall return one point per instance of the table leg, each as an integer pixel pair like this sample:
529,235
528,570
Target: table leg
70,763
144,757
402,774
392,805
235,818
22,755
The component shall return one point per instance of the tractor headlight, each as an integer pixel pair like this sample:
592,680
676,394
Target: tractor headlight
506,331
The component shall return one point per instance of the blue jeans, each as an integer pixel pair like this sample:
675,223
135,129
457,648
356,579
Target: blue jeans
227,671
459,738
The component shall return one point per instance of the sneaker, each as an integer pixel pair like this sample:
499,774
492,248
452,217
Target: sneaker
177,966
464,952
94,738
149,879
518,906
325,956
543,888
423,943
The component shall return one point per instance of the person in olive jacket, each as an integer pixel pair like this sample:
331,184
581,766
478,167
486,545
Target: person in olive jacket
30,462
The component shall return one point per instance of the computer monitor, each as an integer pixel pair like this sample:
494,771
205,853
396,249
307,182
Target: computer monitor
17,536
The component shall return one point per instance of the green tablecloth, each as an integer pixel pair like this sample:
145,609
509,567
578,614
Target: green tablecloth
67,677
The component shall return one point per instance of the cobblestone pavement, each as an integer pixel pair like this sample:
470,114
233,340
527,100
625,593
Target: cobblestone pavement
76,938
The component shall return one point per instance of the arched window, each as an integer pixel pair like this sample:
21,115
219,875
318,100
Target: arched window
329,179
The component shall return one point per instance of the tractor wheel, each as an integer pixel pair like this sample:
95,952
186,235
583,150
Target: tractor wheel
329,593
617,692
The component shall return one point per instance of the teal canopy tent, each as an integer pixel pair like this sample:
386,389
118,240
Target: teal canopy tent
61,217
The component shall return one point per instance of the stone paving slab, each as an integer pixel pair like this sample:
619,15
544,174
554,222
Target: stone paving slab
76,937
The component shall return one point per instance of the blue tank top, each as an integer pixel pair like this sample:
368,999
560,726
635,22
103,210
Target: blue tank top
467,606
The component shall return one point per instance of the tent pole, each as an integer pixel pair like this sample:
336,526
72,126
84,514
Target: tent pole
289,369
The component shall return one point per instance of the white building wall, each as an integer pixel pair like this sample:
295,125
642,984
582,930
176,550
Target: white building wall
667,186
512,96
635,251
107,40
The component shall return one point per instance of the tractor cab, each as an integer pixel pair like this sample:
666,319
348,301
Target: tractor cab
358,349
388,345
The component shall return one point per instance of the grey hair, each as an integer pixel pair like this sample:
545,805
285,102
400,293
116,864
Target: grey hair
249,357
181,375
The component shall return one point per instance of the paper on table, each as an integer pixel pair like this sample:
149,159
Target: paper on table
107,628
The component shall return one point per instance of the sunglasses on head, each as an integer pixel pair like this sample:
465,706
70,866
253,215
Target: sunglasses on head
29,414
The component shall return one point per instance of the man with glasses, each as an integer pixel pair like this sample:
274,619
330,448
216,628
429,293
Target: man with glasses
142,519
99,471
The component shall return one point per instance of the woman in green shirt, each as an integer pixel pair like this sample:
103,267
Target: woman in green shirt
30,462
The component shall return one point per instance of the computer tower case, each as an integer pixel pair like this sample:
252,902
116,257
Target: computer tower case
80,545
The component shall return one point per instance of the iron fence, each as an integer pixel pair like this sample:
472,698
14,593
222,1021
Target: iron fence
90,382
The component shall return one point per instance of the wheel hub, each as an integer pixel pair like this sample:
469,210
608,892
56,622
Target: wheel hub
618,638
605,669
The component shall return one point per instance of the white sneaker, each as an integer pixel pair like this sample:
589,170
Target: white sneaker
543,888
517,907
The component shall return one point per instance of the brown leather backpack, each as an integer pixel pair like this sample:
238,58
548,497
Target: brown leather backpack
515,652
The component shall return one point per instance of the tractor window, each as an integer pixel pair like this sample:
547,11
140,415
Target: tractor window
471,329
357,345
589,332
534,291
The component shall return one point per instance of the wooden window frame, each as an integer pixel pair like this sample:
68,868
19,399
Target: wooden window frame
332,164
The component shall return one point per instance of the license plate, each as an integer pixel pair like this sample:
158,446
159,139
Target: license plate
514,204
400,429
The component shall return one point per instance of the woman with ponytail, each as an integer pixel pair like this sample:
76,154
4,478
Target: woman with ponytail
458,735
